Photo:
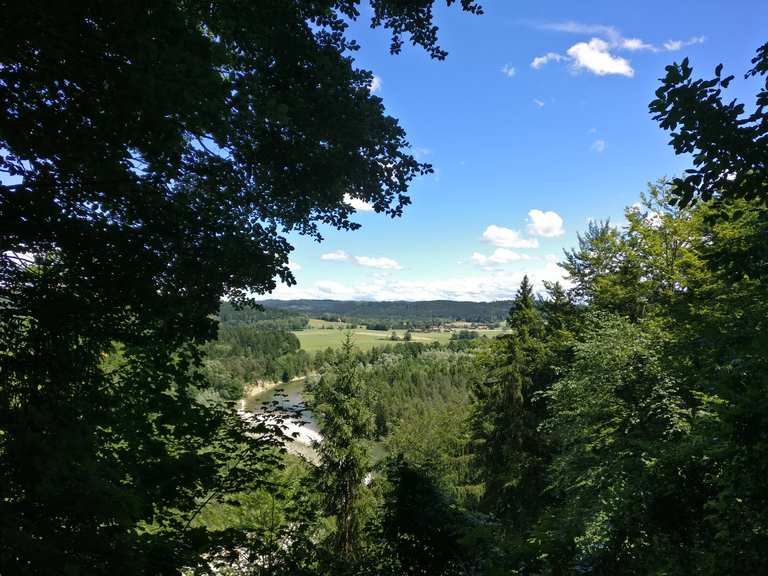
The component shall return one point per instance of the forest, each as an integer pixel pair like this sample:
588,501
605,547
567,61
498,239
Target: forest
397,314
158,161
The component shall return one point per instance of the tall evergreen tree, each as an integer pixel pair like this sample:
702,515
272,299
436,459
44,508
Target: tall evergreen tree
347,425
503,427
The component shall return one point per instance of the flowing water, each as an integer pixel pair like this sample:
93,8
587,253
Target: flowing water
288,396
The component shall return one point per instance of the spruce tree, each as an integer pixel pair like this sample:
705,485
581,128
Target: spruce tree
347,424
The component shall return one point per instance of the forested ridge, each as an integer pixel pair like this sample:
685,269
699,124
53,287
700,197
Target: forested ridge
155,160
425,313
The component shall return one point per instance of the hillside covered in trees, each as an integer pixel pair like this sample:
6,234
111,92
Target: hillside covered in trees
397,314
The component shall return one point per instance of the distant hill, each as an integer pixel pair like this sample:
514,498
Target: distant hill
267,319
431,310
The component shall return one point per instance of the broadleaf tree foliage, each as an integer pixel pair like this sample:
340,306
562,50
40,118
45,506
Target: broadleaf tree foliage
729,146
153,155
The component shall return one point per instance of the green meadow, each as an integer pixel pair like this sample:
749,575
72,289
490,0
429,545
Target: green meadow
315,338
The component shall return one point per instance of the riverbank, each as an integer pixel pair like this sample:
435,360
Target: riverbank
260,387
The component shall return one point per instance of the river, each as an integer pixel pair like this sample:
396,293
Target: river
290,397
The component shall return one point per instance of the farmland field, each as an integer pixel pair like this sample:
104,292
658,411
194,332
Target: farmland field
315,339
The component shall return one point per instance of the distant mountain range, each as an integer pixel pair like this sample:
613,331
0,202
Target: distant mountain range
446,310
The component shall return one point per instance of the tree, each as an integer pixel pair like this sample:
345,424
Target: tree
729,148
347,424
153,157
623,493
503,419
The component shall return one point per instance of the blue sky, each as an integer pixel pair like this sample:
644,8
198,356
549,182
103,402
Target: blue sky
536,122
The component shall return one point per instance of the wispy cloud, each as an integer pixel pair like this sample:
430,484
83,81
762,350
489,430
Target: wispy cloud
672,45
539,103
508,70
540,61
581,28
597,146
375,85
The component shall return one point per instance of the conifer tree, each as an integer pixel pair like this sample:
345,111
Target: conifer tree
347,424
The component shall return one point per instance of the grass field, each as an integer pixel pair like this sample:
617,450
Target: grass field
315,339
317,323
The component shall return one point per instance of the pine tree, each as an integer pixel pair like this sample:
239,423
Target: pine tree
347,424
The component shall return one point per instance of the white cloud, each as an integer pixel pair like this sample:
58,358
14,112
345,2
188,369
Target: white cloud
540,61
294,266
336,256
539,103
597,146
357,204
487,286
547,224
508,70
552,258
375,84
500,256
507,238
595,57
672,45
381,262
615,39
581,28
634,44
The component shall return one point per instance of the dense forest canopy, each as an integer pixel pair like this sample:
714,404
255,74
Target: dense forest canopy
436,311
261,318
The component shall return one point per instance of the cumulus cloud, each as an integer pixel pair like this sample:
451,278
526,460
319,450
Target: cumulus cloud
375,84
540,61
498,285
381,262
500,256
357,204
547,224
294,266
336,256
507,238
595,57
508,70
598,146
